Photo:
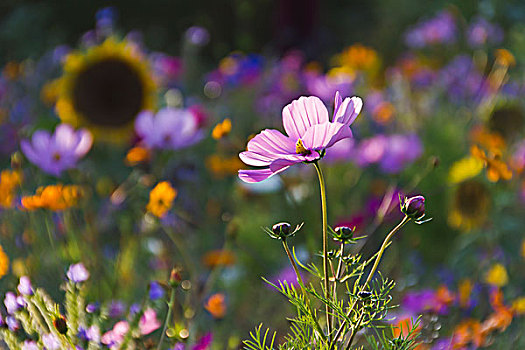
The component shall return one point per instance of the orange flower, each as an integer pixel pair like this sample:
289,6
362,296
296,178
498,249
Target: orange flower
222,129
444,297
53,197
496,168
216,305
218,258
9,180
137,155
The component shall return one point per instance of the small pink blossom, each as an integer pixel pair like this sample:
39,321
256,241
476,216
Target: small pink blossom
148,322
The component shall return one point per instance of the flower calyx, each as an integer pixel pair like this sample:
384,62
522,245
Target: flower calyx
282,230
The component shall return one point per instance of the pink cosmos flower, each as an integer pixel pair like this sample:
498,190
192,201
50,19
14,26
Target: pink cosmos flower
115,336
58,152
148,322
309,131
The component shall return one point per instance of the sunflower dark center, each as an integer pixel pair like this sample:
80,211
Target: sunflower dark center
108,93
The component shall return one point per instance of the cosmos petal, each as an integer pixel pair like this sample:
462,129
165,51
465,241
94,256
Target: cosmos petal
271,141
348,110
301,114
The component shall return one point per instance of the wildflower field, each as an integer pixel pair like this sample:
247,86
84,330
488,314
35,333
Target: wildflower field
262,175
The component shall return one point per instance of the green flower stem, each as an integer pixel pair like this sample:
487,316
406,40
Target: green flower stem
168,318
374,268
294,265
383,248
354,331
337,274
325,243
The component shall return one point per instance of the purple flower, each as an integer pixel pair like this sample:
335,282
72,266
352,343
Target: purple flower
51,342
440,29
198,36
482,32
309,131
92,307
13,303
287,275
179,346
116,308
90,334
12,323
58,152
30,345
77,273
400,151
170,128
155,291
24,287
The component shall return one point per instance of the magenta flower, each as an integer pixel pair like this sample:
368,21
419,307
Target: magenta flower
170,128
58,152
309,131
77,273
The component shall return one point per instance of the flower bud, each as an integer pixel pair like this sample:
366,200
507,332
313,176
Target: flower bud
364,294
343,233
175,277
60,324
281,229
414,207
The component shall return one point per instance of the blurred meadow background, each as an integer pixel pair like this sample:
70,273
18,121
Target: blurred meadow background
120,128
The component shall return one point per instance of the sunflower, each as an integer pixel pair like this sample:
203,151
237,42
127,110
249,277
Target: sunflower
104,88
470,205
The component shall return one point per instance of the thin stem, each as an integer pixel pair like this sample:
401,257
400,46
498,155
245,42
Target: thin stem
383,247
325,244
354,331
336,275
168,318
376,264
294,265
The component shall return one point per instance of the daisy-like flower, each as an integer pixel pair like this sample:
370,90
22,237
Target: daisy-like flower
58,152
170,128
309,131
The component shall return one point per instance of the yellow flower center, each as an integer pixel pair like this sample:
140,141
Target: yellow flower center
300,149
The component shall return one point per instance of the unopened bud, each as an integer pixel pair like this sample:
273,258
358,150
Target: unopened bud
364,294
414,207
175,277
343,233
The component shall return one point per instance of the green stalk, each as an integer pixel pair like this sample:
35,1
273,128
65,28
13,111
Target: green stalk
299,278
325,244
374,268
168,318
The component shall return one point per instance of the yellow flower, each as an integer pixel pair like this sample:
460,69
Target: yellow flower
104,88
218,258
216,305
497,275
523,249
464,169
161,199
222,129
4,263
9,180
518,306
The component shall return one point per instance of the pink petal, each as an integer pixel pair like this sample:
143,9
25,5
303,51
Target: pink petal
29,151
348,110
325,135
64,138
257,175
301,114
337,101
255,159
270,142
